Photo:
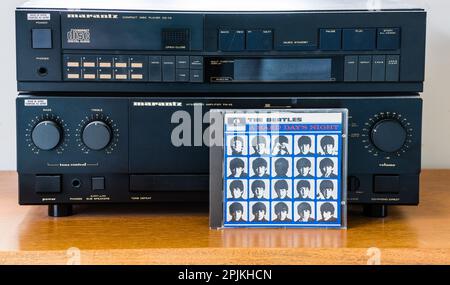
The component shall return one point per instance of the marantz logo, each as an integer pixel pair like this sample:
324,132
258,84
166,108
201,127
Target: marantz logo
93,16
157,104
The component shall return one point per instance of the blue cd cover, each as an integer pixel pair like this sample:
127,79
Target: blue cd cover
284,168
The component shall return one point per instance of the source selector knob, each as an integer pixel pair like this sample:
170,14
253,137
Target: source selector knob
96,135
388,135
46,135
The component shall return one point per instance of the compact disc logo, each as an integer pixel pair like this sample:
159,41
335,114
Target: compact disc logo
157,104
79,36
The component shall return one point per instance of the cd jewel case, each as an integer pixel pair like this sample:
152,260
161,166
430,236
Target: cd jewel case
278,168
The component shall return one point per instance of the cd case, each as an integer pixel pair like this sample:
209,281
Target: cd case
278,168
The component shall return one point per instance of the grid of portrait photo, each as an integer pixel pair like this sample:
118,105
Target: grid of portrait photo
282,179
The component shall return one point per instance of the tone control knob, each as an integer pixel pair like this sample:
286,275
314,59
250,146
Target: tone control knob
46,135
388,135
96,135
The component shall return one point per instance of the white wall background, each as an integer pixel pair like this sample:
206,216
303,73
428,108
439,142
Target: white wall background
436,125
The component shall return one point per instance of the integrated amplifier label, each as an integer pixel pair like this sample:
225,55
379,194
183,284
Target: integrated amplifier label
35,102
38,16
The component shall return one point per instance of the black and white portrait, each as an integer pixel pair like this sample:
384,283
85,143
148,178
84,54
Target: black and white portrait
304,212
328,145
327,167
237,189
259,212
281,167
237,145
281,212
327,189
282,145
305,145
327,212
259,145
304,189
237,167
281,189
259,189
237,212
259,167
304,167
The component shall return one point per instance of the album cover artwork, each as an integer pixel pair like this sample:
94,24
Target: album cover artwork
284,168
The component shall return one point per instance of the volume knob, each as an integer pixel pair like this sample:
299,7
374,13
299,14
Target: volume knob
46,135
96,135
388,135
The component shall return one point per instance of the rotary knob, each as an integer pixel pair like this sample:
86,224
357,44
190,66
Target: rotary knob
46,135
96,135
388,135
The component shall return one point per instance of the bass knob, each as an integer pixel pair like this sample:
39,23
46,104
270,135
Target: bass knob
46,135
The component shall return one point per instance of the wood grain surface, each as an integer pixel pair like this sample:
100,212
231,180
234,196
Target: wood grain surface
179,234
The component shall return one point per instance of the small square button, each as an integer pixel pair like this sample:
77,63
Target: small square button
41,38
182,75
196,75
196,62
386,184
182,61
98,183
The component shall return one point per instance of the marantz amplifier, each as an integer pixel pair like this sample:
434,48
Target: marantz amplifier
206,46
119,149
104,89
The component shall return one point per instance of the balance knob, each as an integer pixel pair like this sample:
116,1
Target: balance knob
46,135
96,135
388,135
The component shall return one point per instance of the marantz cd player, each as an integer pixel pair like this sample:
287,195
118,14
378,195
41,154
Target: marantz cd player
105,87
146,47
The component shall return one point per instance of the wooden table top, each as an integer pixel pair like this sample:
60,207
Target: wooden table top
164,234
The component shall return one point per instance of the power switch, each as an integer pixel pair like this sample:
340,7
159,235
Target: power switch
41,38
386,184
47,184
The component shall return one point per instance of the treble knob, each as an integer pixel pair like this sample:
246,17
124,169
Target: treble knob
46,135
96,135
388,135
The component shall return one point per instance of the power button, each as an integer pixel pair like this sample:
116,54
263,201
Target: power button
41,38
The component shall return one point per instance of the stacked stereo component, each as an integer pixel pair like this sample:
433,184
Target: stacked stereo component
104,90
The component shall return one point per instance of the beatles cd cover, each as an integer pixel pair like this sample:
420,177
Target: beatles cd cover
279,168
